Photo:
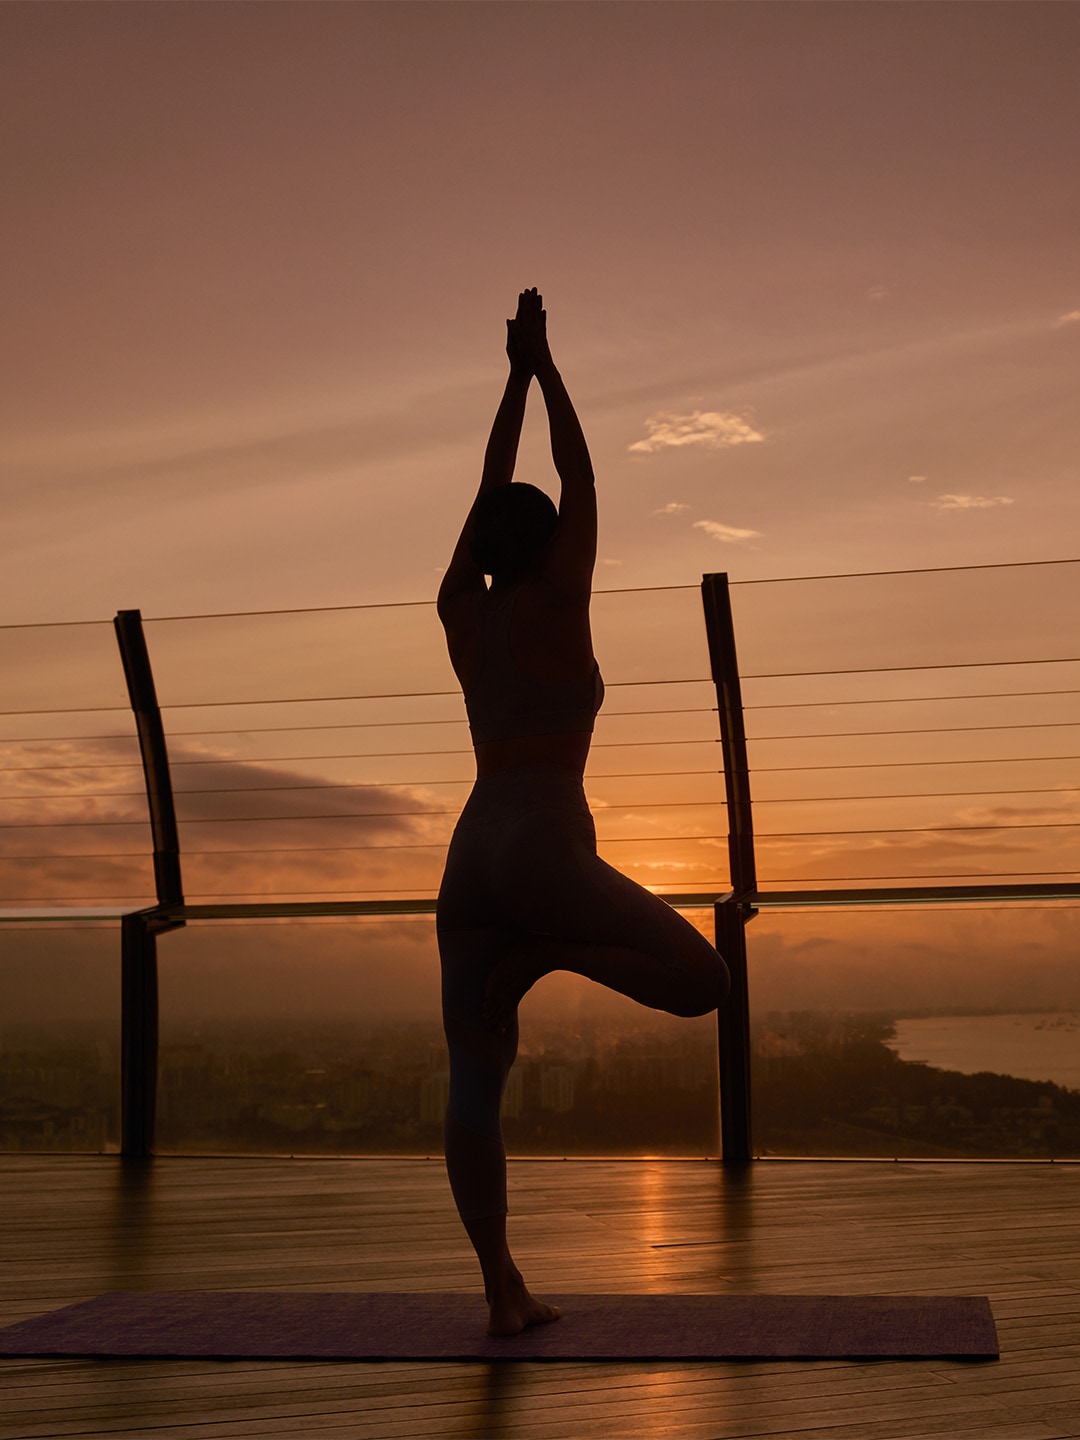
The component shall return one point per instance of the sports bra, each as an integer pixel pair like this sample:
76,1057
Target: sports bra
504,703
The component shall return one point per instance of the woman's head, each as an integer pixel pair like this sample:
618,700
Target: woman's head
511,527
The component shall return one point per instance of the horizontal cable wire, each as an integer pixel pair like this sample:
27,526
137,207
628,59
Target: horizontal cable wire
303,729
642,804
328,699
218,820
285,819
86,765
382,754
907,764
931,730
58,739
599,745
926,795
910,699
235,852
722,884
964,906
377,605
72,710
899,669
126,794
610,805
401,724
65,899
603,716
362,815
140,855
68,824
278,819
915,830
393,814
878,906
922,570
53,624
933,875
622,590
353,785
375,785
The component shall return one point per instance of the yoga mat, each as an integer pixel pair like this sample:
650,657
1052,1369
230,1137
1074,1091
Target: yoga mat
392,1326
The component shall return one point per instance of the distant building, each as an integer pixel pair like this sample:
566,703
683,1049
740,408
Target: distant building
434,1093
557,1088
514,1095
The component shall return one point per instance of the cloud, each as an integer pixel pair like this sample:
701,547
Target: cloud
715,429
673,507
970,502
916,479
1070,317
729,534
247,829
877,292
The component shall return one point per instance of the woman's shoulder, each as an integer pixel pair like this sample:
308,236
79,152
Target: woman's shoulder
460,610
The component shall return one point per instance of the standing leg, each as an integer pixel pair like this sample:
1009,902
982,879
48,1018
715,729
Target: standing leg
480,1061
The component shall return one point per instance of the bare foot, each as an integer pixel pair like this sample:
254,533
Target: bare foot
511,978
514,1310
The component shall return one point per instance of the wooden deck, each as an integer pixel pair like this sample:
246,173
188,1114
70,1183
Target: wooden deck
73,1227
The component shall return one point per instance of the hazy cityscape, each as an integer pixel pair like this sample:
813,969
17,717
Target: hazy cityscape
823,1084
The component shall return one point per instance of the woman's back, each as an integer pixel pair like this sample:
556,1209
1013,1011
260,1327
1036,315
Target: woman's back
524,656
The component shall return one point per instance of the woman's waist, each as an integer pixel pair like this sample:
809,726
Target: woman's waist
526,789
565,753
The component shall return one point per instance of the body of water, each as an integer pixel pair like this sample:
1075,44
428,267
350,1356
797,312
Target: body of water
1031,1047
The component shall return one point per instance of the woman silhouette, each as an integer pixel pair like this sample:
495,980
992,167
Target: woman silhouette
524,892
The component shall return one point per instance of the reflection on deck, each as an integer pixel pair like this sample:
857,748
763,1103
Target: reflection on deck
77,1227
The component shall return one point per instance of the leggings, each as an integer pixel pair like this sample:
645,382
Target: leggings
522,867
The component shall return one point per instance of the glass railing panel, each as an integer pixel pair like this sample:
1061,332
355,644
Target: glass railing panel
326,755
73,817
324,1037
59,1037
917,1031
912,618
918,728
313,755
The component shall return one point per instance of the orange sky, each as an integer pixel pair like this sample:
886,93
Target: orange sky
812,278
810,268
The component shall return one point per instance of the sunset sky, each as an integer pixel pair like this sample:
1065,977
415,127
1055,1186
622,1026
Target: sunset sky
813,280
811,273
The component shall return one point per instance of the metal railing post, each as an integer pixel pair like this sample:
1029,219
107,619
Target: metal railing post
138,1034
733,1032
720,630
138,944
155,758
735,910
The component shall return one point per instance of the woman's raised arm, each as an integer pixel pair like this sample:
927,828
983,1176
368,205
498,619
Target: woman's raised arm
500,457
573,550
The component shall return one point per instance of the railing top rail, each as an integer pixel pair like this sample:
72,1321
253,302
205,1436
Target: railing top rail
691,900
290,909
910,894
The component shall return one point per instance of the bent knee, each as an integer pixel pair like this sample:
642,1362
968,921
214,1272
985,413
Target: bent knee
702,994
